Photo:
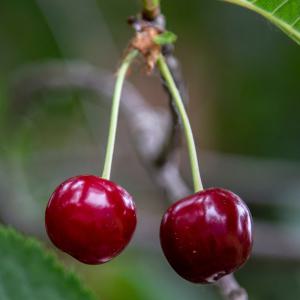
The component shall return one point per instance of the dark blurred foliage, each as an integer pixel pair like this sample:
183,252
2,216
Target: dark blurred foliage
243,79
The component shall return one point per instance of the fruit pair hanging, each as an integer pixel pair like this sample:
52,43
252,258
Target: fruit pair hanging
204,236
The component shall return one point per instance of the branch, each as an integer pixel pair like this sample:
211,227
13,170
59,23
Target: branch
173,140
140,117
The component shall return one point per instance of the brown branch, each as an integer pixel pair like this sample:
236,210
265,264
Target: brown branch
140,116
172,143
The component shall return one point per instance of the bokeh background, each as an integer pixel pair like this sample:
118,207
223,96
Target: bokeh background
243,80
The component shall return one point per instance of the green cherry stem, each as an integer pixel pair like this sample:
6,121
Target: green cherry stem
150,4
151,8
164,70
115,112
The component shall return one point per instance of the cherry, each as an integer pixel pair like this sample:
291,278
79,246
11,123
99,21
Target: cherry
90,218
207,235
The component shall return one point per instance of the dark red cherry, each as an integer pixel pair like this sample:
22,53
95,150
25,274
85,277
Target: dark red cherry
207,235
90,218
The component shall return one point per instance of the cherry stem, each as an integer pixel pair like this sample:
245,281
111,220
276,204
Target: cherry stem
121,74
151,9
165,72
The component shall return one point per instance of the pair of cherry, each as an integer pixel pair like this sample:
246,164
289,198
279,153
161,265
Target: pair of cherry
204,236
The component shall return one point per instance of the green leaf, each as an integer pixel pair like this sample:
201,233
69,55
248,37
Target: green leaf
166,37
283,13
28,272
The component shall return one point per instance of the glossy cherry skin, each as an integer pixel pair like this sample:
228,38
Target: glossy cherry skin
207,235
90,218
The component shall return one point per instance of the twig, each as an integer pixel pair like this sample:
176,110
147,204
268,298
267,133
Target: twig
140,116
171,144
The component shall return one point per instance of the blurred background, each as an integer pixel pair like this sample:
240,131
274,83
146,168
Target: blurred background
242,75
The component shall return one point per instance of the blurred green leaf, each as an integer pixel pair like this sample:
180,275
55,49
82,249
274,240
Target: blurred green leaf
283,13
166,37
28,272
